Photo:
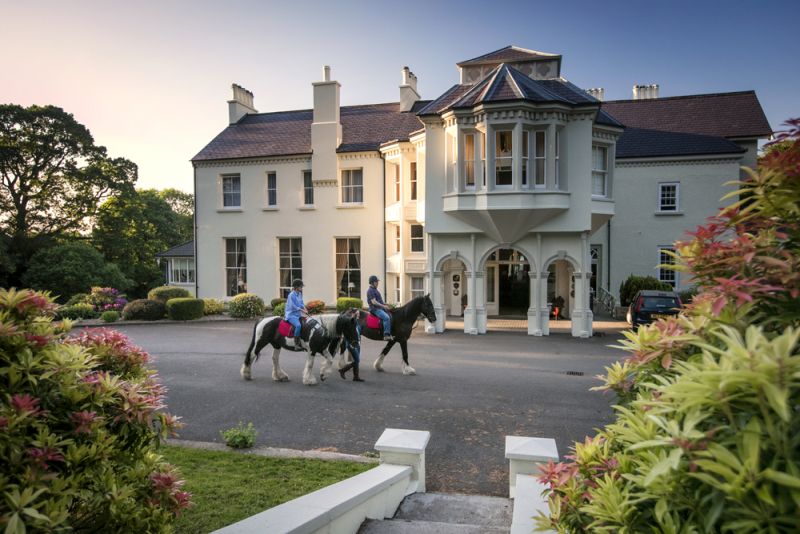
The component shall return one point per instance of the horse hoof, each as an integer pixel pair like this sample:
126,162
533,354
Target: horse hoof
409,371
377,367
284,379
245,372
322,378
310,383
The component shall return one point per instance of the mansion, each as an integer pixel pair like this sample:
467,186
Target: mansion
513,190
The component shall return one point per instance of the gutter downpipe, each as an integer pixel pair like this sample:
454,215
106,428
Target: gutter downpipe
194,199
383,218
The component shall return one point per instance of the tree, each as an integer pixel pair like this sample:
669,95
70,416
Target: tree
182,204
52,178
130,229
72,268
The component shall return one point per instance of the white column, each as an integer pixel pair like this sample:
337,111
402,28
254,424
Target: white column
430,328
534,317
437,295
525,455
544,307
582,316
480,301
405,447
470,320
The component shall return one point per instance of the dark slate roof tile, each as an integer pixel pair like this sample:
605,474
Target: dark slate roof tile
729,115
508,54
184,249
644,143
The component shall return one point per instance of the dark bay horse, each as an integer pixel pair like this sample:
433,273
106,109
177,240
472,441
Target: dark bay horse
321,334
403,319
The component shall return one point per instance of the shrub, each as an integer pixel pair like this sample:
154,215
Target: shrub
245,306
275,302
345,303
68,269
634,284
80,421
185,309
688,295
706,432
110,316
76,311
77,298
106,299
315,307
279,310
144,310
240,436
213,307
164,293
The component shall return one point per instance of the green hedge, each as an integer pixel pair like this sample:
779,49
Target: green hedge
213,307
185,309
634,284
165,293
345,303
279,309
110,316
245,306
144,310
76,311
275,302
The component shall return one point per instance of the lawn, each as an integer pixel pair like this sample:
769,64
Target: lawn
227,486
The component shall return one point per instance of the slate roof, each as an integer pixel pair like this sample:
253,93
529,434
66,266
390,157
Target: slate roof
731,115
644,143
184,249
508,54
505,83
287,133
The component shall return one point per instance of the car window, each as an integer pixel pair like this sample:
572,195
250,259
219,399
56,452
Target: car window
660,303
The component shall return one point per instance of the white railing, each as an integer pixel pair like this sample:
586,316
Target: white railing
606,301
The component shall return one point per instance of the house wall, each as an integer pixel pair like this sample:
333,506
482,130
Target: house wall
638,229
262,226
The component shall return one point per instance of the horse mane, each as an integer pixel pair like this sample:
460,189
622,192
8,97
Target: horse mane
409,307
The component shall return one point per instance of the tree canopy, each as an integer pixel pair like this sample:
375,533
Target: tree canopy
52,178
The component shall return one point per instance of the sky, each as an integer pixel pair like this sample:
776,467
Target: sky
151,79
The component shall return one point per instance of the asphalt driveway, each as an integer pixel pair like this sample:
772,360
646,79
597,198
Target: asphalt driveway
469,392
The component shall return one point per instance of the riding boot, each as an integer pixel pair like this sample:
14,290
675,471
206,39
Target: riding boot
297,345
343,370
356,378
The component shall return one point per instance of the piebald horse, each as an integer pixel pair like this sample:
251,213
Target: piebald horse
403,319
320,334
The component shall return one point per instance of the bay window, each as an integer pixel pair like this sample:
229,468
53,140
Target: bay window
525,163
503,150
469,161
599,171
539,158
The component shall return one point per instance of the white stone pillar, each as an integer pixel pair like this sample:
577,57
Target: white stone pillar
405,447
470,318
534,318
480,301
525,455
437,295
581,316
550,162
544,307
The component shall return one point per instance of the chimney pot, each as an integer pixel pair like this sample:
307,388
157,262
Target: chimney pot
645,92
326,73
408,89
241,104
597,92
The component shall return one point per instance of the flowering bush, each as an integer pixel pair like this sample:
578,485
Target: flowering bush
707,433
315,307
80,420
213,307
106,299
245,306
164,293
76,311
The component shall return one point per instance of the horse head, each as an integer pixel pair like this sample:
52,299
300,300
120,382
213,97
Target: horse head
427,309
348,326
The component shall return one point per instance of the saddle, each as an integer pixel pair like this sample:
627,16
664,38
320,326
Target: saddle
373,321
286,329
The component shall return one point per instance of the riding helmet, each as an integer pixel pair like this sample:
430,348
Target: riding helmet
297,283
373,279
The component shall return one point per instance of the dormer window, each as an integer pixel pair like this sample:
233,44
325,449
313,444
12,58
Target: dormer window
503,158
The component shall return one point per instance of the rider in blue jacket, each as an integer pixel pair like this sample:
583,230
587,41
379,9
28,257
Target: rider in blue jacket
295,308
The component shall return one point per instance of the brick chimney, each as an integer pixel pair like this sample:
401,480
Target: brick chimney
241,105
326,130
645,92
408,90
597,92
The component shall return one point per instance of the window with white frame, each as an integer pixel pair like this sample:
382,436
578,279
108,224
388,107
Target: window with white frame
599,171
417,286
417,238
397,298
272,189
231,191
235,266
397,197
539,155
469,161
348,266
397,239
665,259
483,157
668,196
503,152
525,160
558,159
413,181
181,270
352,186
290,263
308,189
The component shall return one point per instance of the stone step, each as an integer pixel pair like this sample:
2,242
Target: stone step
478,510
400,526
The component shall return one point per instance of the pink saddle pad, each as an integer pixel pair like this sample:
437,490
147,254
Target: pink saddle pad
285,329
373,322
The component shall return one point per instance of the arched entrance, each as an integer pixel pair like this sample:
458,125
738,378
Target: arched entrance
454,281
560,289
507,283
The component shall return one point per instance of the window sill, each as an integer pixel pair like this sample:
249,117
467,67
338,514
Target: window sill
307,207
270,208
352,206
668,213
230,210
602,199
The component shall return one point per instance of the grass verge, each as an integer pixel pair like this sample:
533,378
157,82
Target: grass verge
227,487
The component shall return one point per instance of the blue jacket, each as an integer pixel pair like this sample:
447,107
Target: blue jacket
293,305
